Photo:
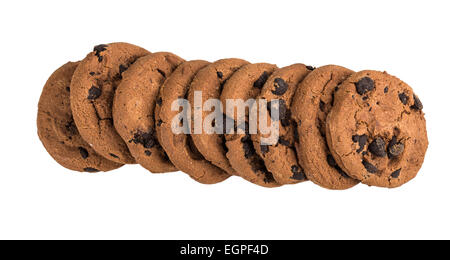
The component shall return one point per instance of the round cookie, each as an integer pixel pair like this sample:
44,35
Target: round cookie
209,81
57,130
179,146
134,106
92,92
246,84
376,130
281,159
310,106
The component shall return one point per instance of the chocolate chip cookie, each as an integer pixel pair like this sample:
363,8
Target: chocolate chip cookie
179,146
134,106
244,85
92,92
57,130
310,107
209,83
280,158
376,130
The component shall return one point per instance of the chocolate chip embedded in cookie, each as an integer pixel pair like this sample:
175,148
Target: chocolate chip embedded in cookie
384,112
57,130
92,92
246,84
280,159
179,146
209,81
134,107
310,107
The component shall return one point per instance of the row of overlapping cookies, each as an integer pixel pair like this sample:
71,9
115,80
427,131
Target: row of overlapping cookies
337,127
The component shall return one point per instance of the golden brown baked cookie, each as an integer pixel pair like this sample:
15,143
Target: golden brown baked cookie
376,130
310,107
58,132
92,92
209,81
281,159
246,84
179,146
134,106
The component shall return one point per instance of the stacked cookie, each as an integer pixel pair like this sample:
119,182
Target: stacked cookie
337,127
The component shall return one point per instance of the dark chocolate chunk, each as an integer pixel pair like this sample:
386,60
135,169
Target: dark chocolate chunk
361,140
386,89
259,83
92,73
94,93
84,153
378,147
68,89
122,69
403,98
310,67
280,87
365,98
417,103
148,140
248,148
89,169
364,85
100,48
282,109
331,161
284,142
147,152
264,149
159,123
395,148
219,75
369,167
297,173
396,173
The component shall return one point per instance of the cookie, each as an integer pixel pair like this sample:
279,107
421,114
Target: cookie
179,146
280,158
92,92
376,130
246,84
134,106
57,130
310,107
209,81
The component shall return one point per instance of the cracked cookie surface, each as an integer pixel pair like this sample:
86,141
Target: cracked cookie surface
310,106
179,146
246,84
280,158
134,109
92,92
377,131
57,130
209,81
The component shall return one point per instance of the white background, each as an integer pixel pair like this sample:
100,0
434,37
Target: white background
41,200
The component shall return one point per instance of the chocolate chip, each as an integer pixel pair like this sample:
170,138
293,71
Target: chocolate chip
284,142
68,89
114,156
92,73
147,152
378,147
369,167
148,140
100,58
364,85
297,172
84,153
98,49
159,101
403,98
296,135
322,106
396,174
259,83
122,69
248,149
331,161
89,169
361,140
159,123
94,93
219,75
310,67
282,109
365,98
417,103
286,119
386,89
161,72
280,87
264,149
395,148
